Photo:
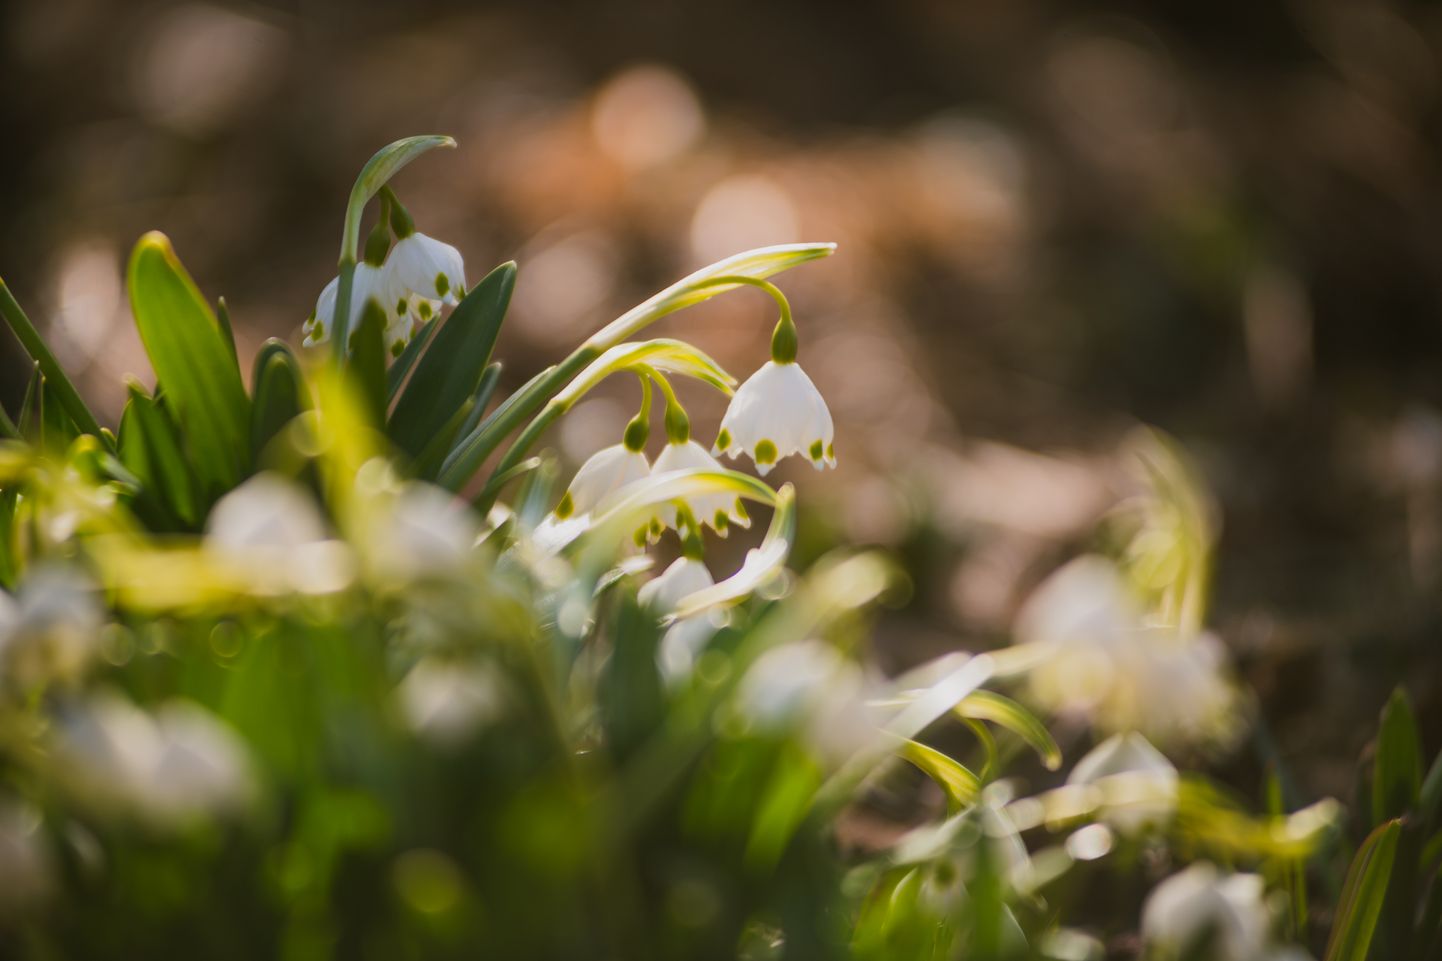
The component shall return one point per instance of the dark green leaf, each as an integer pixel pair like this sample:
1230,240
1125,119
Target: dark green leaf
34,345
279,394
1397,773
368,361
1363,893
150,449
192,360
451,369
396,376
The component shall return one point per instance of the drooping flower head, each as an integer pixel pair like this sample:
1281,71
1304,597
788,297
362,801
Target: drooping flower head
778,411
717,510
369,283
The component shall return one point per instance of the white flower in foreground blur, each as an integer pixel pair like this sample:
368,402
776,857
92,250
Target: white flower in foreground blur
50,629
1138,783
177,764
270,530
423,267
685,639
445,703
603,474
811,688
718,510
1204,914
776,413
369,283
1106,664
27,868
421,531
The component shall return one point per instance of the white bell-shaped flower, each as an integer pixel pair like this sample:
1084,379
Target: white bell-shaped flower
1205,914
685,639
425,267
776,413
369,283
1138,783
602,475
718,510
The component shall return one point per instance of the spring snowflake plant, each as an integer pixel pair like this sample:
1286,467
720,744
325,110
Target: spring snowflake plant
287,672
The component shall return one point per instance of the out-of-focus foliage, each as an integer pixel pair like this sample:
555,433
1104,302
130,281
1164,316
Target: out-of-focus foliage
267,690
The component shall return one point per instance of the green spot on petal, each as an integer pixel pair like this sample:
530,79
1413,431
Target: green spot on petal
639,538
401,306
425,310
397,348
721,522
831,451
443,285
765,452
566,508
740,511
723,439
817,450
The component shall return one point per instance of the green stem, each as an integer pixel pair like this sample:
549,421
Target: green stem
34,345
340,323
472,453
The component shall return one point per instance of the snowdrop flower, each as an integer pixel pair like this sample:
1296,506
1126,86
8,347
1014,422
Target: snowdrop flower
810,687
177,764
776,413
1138,783
445,703
718,511
50,630
369,283
27,868
603,474
425,270
271,533
1105,663
1201,910
685,639
421,531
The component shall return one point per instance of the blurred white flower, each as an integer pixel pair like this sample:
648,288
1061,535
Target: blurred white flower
719,510
811,688
444,703
1138,783
603,474
422,531
50,629
27,868
1201,913
177,764
685,639
270,530
369,283
427,268
776,413
1104,662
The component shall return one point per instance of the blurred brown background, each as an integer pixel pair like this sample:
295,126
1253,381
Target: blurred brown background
1056,220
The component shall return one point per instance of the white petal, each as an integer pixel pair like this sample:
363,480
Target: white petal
684,576
604,474
778,404
428,267
705,507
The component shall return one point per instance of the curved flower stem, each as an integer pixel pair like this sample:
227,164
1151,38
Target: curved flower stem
728,274
382,166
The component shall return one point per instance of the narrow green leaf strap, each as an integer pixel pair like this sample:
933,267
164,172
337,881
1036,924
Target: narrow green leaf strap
34,345
1363,893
